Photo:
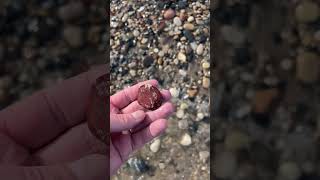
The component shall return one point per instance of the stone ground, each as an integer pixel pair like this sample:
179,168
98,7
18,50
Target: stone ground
168,41
266,90
43,42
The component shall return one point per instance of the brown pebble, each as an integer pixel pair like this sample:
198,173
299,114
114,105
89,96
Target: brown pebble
308,67
263,99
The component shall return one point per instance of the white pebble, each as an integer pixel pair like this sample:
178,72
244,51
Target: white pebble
204,155
200,49
182,57
186,140
177,21
155,146
190,19
180,114
174,92
183,124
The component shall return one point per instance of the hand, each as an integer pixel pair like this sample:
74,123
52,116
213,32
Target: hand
45,136
131,125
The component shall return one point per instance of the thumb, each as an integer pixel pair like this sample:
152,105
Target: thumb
91,167
123,122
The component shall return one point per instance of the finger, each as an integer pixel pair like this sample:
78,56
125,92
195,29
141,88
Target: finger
40,118
122,98
135,106
11,153
74,144
162,112
91,167
123,122
156,128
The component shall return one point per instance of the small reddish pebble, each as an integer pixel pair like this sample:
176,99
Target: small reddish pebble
169,14
149,97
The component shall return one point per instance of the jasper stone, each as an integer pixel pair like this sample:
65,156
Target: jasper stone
149,97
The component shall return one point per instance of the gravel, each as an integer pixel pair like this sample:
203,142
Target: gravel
164,38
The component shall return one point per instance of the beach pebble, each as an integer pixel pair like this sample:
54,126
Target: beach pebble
200,49
307,11
182,57
186,140
183,124
177,21
169,14
308,67
188,26
155,145
180,114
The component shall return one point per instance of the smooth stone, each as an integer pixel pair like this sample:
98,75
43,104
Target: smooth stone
186,140
182,57
206,82
180,114
169,14
174,92
188,26
124,18
205,65
177,21
185,106
155,146
307,12
74,36
308,67
183,124
71,11
190,19
136,33
204,155
200,49
200,116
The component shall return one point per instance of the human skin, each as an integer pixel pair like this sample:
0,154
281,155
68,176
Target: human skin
46,136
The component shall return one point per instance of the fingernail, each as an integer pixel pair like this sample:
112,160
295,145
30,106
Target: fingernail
139,115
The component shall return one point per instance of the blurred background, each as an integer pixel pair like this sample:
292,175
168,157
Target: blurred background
45,41
168,41
266,90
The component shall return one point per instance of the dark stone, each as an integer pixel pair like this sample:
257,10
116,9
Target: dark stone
262,119
148,61
242,56
203,39
182,4
188,34
138,165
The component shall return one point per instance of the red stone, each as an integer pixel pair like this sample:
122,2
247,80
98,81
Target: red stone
98,109
149,97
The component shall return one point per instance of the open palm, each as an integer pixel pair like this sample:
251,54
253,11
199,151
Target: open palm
131,125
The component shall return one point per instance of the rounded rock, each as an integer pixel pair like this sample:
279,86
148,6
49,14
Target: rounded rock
186,140
307,12
200,49
149,97
155,146
177,21
169,14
